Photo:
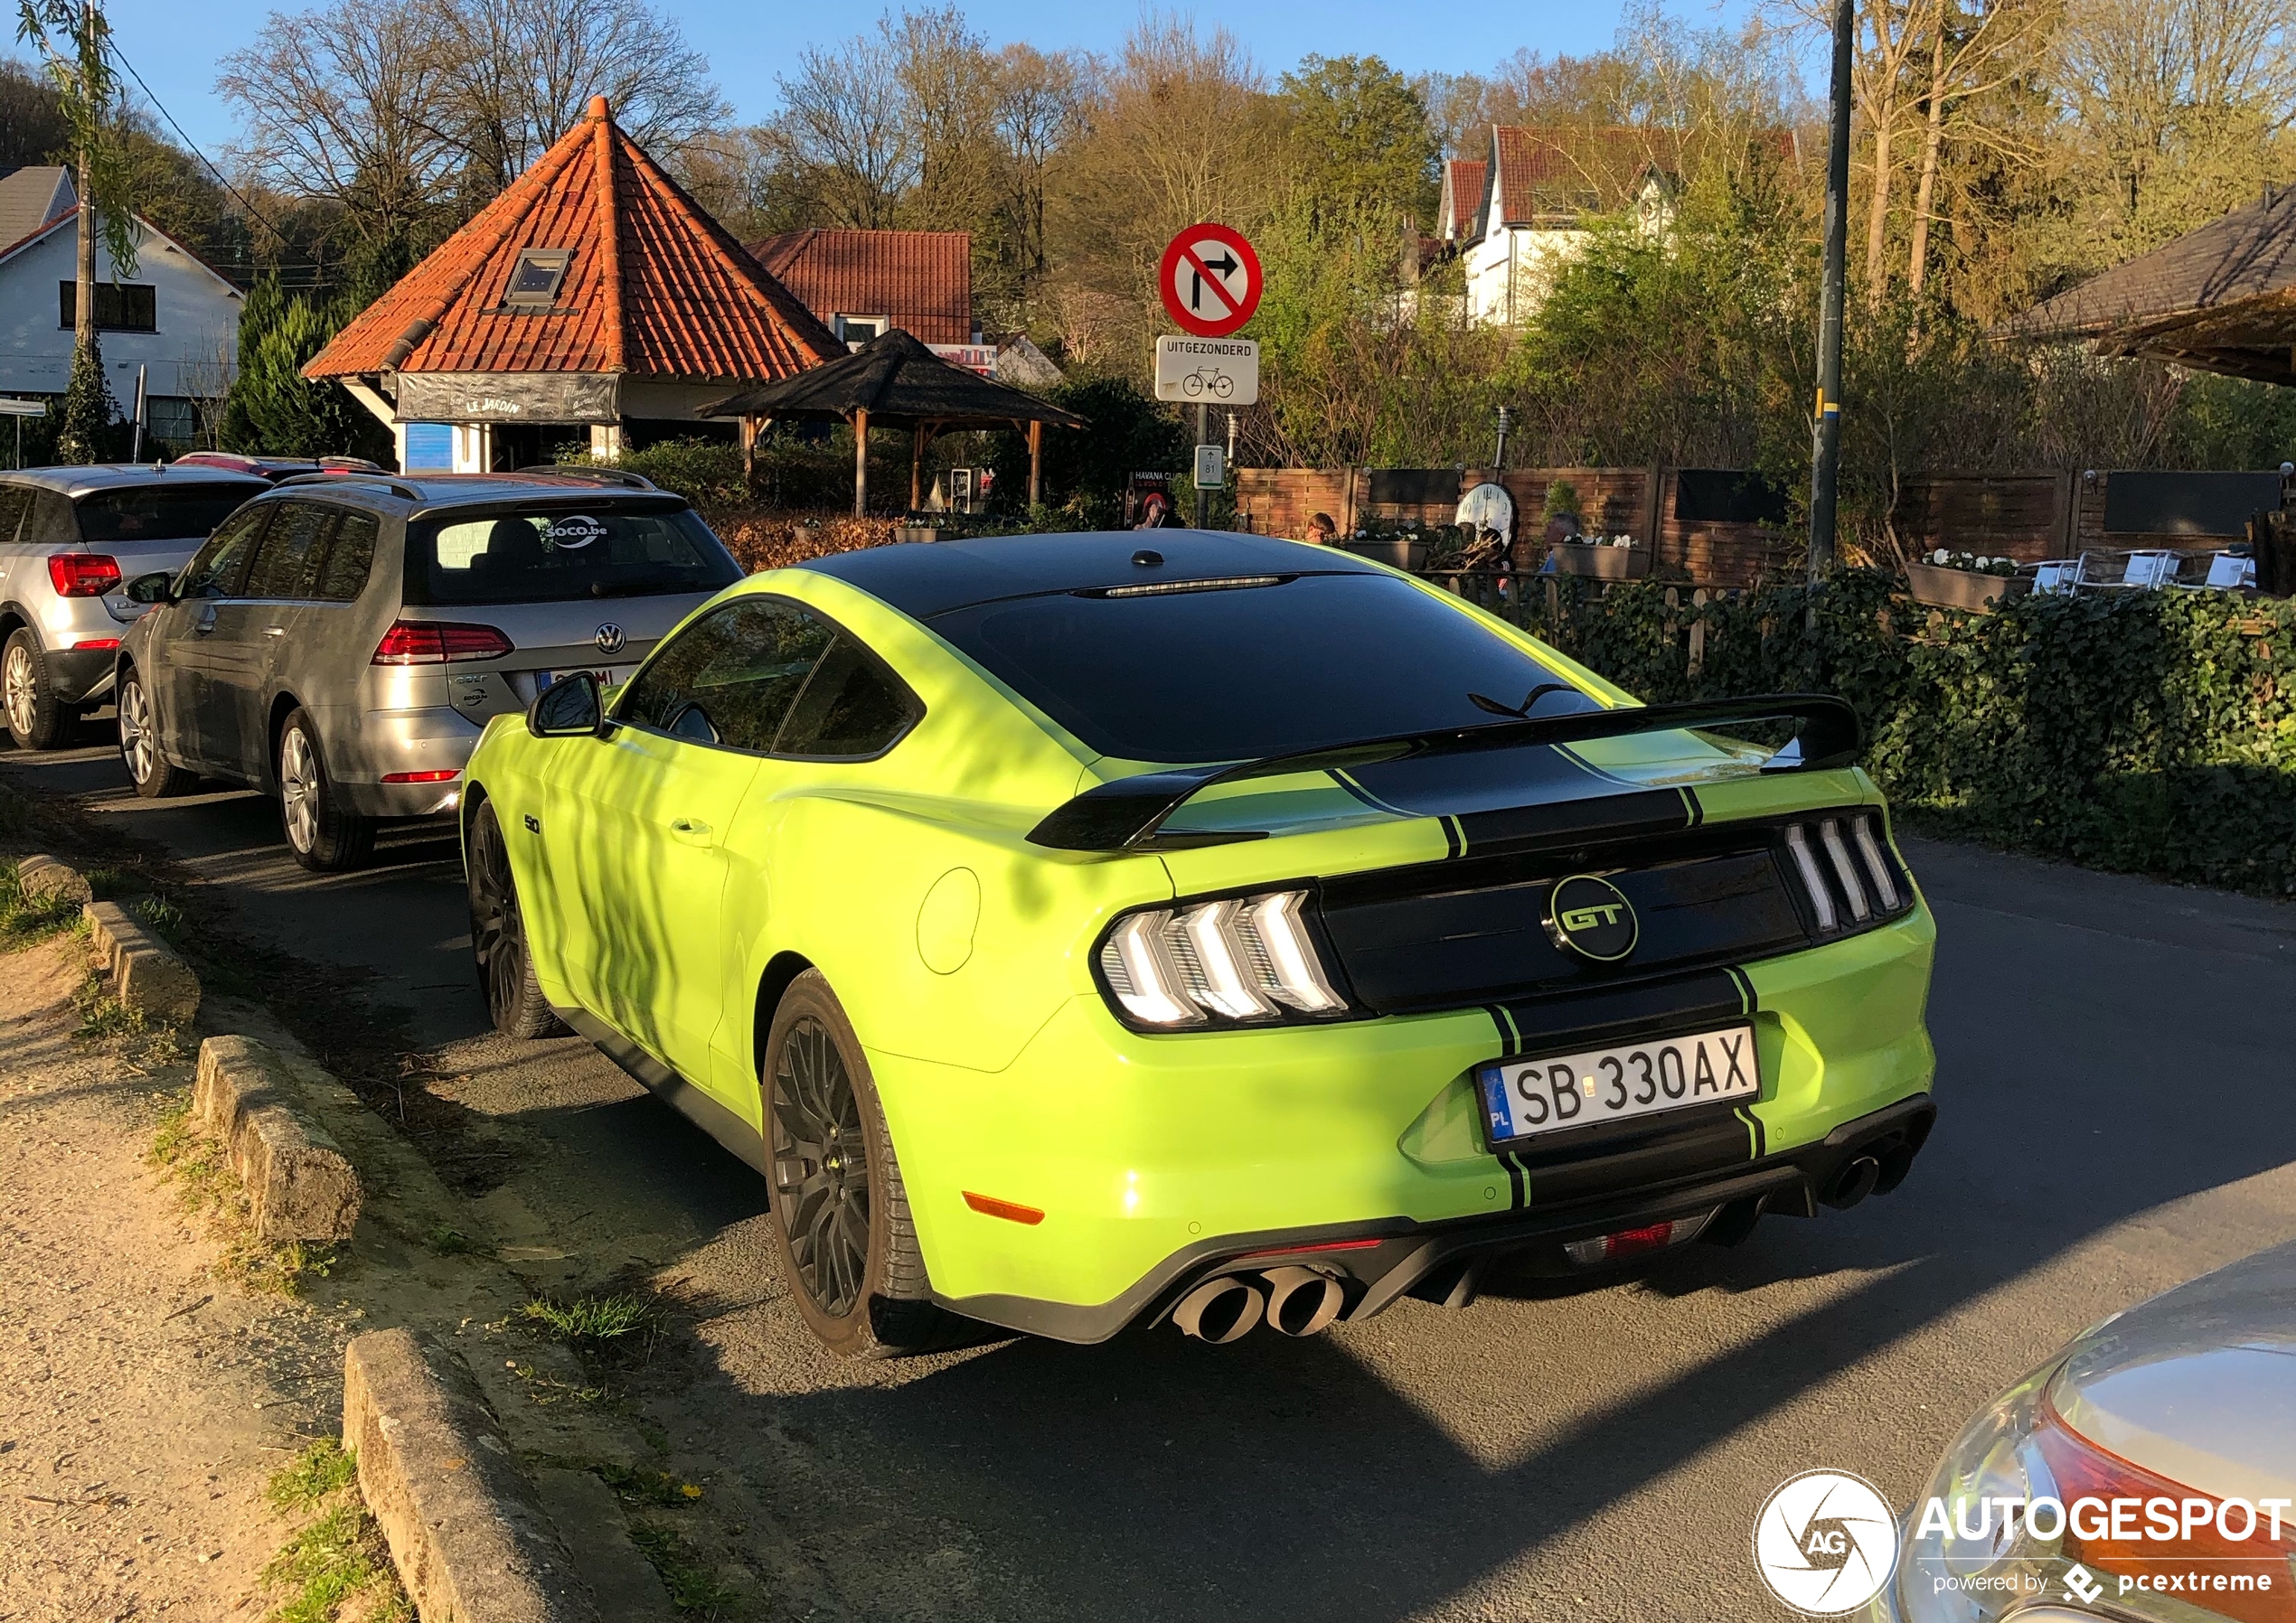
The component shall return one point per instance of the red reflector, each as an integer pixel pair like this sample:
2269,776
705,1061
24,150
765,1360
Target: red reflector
98,643
418,777
1010,1211
1627,1241
437,641
1285,1251
83,574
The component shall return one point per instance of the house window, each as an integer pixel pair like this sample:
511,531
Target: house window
120,306
534,280
171,420
858,330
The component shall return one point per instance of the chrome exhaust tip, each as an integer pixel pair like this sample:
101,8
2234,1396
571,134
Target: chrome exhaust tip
1853,1183
1302,1301
1220,1311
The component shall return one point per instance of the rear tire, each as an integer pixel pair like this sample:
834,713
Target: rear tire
155,776
36,717
324,837
842,1228
514,999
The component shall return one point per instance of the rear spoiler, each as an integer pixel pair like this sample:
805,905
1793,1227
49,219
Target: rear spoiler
1125,815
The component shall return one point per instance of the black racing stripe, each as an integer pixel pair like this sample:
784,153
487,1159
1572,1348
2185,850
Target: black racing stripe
1508,1047
1361,793
1455,842
1573,1022
1745,988
1517,1195
1759,1141
1563,823
1697,812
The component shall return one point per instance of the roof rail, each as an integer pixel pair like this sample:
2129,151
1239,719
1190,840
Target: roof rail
398,487
592,474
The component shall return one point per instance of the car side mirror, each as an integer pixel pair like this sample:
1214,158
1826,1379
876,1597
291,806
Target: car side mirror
156,587
567,709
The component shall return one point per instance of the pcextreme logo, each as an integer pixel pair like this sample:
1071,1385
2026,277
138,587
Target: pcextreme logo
1825,1543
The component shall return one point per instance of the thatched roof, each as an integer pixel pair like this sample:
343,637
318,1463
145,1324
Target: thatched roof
2221,299
897,380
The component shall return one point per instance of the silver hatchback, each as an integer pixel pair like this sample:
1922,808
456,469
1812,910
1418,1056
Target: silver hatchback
341,641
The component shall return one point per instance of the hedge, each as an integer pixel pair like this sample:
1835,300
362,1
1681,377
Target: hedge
2150,732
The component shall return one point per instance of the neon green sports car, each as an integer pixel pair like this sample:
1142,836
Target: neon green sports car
1078,932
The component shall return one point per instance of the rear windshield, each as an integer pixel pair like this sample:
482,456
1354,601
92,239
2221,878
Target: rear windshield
160,512
549,555
1251,672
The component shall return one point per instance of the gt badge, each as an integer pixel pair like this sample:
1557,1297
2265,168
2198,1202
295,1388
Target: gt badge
1592,918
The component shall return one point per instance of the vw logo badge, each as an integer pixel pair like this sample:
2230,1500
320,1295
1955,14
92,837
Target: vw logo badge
1592,918
610,639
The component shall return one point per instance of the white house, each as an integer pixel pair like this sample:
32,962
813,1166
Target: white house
178,318
1517,214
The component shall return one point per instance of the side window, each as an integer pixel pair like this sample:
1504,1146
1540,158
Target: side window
853,706
15,499
51,522
343,575
730,676
287,565
217,569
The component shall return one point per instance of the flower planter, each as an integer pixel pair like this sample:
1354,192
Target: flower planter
1965,589
1600,563
1402,552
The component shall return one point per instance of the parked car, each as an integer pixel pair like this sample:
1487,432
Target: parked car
70,537
276,468
1077,932
342,639
2152,1464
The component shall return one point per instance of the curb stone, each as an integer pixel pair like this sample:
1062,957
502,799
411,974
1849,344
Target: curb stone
46,879
299,1183
467,1530
147,974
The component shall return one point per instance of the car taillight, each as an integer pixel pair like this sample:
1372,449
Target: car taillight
83,574
437,641
1245,959
1846,870
2164,1530
1633,1241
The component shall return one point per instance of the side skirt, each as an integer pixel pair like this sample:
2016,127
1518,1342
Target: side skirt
738,1138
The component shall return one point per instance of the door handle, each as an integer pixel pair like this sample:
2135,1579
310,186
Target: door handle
275,631
692,830
204,624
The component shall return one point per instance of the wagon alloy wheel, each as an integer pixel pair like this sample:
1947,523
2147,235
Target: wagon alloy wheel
154,775
298,795
820,1167
514,999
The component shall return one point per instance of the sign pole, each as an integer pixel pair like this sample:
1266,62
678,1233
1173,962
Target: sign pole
1825,451
1203,437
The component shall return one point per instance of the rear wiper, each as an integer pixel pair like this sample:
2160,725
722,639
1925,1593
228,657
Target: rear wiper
1520,712
630,589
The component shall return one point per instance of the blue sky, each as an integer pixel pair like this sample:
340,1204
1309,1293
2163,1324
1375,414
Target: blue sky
174,43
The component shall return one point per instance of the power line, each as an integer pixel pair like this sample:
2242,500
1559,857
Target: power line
193,147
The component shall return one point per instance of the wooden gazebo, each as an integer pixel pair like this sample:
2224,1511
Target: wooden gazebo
895,382
2221,299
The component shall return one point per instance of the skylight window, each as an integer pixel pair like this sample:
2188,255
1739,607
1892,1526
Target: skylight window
533,284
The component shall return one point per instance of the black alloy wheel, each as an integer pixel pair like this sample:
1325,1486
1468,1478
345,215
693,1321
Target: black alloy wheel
820,1167
514,999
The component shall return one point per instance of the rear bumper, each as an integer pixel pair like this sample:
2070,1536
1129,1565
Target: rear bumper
1403,1257
390,742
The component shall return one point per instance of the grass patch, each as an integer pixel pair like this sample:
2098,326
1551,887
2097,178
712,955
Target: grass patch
24,921
591,1320
207,1186
164,917
104,1018
337,1555
447,1241
647,1488
546,1389
695,1589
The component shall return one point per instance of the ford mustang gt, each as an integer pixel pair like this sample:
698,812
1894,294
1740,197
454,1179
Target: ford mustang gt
1075,933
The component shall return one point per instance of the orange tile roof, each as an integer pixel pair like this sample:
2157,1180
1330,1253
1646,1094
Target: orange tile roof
1462,180
1553,175
920,281
656,289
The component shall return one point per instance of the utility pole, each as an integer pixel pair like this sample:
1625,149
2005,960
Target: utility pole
1825,450
83,323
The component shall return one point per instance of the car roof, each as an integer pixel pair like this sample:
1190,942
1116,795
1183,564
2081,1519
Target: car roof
924,579
426,492
82,479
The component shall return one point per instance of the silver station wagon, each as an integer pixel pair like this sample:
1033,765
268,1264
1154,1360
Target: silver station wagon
341,640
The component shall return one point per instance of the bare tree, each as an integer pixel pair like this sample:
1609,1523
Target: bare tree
846,134
519,73
354,105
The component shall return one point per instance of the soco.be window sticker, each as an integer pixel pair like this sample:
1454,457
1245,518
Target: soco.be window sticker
574,531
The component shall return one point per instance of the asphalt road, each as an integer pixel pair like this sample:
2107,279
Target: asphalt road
2119,1113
